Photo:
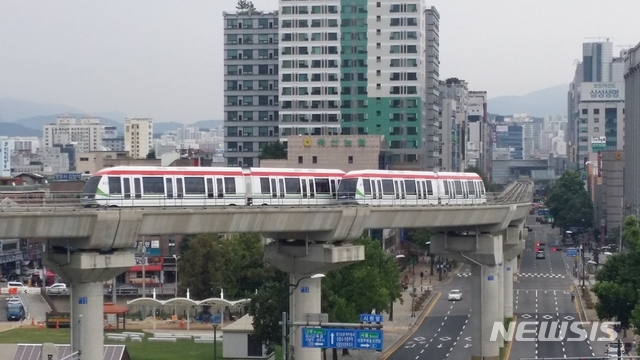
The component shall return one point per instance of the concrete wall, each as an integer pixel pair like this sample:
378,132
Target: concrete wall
344,152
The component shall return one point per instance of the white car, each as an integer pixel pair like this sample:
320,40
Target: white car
612,350
15,284
59,288
14,300
455,295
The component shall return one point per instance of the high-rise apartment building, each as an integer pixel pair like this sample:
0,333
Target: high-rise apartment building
478,136
250,85
138,137
596,59
86,135
632,132
357,68
430,139
457,91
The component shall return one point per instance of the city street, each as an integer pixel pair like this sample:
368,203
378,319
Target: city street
444,333
543,294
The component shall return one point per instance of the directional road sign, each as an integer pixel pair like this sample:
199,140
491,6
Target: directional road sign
342,339
572,252
371,318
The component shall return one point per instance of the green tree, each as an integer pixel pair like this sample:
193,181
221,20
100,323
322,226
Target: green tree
245,6
488,186
151,154
195,267
569,202
273,150
267,306
617,281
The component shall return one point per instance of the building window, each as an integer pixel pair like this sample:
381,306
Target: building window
299,159
596,120
596,111
596,129
350,159
314,159
585,111
378,4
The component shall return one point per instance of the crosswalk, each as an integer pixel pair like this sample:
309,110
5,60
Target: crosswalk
531,275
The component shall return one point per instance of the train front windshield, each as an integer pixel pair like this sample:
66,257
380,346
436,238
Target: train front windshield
90,188
347,189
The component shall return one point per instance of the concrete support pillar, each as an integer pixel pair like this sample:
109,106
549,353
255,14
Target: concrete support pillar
305,299
303,260
87,319
485,312
500,296
509,271
86,270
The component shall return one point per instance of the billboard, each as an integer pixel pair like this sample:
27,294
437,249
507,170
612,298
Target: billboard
5,158
598,143
602,91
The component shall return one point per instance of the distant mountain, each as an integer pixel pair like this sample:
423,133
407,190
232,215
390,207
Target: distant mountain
549,101
162,127
37,122
208,124
14,109
12,129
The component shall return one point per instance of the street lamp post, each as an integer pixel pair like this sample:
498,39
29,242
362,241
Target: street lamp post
175,285
215,342
292,306
392,300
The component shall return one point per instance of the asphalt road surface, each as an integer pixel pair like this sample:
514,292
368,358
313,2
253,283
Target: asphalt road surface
445,333
543,295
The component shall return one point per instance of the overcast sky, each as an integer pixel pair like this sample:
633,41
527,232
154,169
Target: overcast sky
163,59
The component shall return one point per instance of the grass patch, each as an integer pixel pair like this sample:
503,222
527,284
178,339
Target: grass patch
182,349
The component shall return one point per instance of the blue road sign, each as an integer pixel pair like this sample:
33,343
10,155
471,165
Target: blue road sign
371,318
304,289
557,242
315,338
572,253
490,278
342,339
82,300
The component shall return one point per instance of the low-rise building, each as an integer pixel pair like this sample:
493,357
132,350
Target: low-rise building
91,162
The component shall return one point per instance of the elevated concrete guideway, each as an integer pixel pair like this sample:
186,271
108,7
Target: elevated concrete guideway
89,246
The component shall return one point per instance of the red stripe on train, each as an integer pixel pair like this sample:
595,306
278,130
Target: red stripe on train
213,173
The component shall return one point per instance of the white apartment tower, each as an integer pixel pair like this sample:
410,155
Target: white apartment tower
356,68
85,135
138,137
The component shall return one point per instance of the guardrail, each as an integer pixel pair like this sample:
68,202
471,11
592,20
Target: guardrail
18,291
38,199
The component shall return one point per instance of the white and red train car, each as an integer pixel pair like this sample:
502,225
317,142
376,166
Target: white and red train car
127,186
401,188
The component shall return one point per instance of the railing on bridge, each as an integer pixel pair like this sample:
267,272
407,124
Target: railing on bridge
516,192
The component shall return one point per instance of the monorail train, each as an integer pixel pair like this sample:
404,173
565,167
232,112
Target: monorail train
398,188
127,186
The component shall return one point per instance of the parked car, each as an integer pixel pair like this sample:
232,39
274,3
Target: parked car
455,295
58,289
15,284
124,289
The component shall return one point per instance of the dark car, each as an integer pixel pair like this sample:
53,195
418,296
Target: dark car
125,289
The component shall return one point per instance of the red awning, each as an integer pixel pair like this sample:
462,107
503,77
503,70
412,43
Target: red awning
147,268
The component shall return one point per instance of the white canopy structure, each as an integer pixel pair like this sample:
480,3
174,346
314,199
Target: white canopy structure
182,301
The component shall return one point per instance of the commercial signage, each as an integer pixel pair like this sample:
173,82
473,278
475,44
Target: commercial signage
602,91
67,177
599,164
5,158
598,143
14,257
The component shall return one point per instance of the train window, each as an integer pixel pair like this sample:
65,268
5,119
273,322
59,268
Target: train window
127,188
472,188
264,185
153,185
481,184
281,186
322,186
274,189
446,187
304,188
115,188
367,186
458,186
194,185
219,188
334,186
402,189
230,185
429,187
311,189
136,188
387,187
179,187
410,185
292,185
168,184
210,188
